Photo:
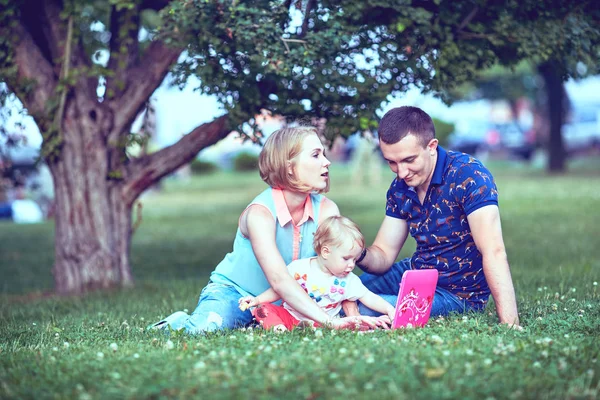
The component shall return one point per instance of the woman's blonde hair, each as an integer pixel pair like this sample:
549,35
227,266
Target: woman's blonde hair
281,147
334,231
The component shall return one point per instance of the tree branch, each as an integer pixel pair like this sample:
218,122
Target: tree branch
124,44
309,5
286,6
32,66
473,35
124,47
140,81
64,73
155,5
467,35
468,18
47,22
146,171
48,30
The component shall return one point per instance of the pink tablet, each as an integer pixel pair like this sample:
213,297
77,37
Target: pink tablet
415,298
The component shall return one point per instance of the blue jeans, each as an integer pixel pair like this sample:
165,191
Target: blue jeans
217,309
388,285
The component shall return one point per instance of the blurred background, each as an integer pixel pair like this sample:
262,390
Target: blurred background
485,119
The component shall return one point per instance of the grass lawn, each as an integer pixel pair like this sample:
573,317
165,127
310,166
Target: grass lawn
96,346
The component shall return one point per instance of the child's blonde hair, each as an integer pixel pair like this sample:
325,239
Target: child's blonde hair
283,146
334,231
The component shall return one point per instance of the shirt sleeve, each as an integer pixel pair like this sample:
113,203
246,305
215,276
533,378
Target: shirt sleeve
392,208
475,187
355,288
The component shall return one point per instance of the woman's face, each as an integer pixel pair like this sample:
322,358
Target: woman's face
310,166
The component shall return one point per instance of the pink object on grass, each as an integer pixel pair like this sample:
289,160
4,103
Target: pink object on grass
415,298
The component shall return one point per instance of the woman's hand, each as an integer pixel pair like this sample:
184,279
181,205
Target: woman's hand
247,302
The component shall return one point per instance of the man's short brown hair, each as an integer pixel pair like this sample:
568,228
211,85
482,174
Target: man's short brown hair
401,121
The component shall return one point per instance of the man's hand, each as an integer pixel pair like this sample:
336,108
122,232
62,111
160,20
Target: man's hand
386,321
360,323
516,326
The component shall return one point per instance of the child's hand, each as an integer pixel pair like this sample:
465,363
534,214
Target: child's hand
247,302
384,321
357,323
391,313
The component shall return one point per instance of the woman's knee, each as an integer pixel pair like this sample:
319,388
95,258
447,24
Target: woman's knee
216,320
208,321
217,309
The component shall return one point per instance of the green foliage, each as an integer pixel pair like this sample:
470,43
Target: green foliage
249,58
200,167
66,343
245,162
253,56
8,13
354,57
115,175
443,129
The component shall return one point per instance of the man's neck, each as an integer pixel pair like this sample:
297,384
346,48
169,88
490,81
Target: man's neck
422,189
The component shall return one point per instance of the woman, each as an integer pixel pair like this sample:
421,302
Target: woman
274,230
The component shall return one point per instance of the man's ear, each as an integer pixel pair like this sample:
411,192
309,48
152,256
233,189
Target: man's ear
432,145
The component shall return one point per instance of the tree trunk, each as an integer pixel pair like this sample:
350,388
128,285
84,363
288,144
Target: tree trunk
93,222
95,185
95,189
555,104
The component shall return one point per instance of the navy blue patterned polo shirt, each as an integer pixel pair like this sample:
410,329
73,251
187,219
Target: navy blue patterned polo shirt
460,185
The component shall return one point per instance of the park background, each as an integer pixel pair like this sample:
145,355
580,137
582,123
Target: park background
94,344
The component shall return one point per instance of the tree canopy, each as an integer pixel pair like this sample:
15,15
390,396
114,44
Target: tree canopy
296,58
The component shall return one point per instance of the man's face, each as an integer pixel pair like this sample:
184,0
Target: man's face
410,161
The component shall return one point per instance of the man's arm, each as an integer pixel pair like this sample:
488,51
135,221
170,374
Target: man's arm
387,245
487,233
382,254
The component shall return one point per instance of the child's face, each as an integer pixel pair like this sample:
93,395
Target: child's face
340,261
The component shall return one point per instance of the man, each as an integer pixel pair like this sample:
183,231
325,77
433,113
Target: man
448,202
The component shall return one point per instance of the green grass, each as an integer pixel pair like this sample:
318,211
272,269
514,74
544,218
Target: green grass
61,347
